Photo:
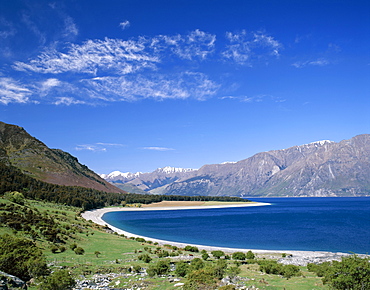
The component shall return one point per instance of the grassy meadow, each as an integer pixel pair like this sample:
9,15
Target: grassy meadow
106,252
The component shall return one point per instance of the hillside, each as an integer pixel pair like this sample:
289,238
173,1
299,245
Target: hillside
323,168
34,158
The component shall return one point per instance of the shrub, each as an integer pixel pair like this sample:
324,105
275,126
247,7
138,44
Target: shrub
21,257
162,267
239,256
59,280
205,256
181,269
352,272
79,251
200,279
217,254
250,255
54,249
191,249
145,258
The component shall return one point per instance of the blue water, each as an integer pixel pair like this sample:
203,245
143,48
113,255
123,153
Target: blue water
312,224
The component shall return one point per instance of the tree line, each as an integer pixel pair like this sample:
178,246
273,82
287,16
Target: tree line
13,179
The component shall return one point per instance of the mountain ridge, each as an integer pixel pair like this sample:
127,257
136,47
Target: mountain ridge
321,168
34,158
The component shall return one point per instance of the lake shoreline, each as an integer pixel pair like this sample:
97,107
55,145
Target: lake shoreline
293,256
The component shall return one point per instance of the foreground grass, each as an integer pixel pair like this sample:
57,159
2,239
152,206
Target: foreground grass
105,252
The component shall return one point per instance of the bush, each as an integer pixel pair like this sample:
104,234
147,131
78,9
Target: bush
239,256
59,280
250,255
21,257
181,269
273,267
79,251
54,249
217,254
200,279
205,256
352,272
161,268
145,258
191,249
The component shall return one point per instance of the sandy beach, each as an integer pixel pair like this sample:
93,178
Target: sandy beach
294,257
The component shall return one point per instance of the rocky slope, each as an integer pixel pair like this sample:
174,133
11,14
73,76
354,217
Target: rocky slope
31,156
318,169
323,168
144,182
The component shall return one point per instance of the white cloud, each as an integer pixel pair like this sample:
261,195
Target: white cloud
160,87
318,62
244,48
100,146
196,44
125,24
13,92
6,28
70,28
89,148
48,84
120,56
111,144
67,101
154,148
93,55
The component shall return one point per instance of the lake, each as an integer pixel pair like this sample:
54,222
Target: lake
340,224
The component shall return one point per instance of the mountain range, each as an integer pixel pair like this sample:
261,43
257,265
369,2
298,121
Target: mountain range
323,168
20,150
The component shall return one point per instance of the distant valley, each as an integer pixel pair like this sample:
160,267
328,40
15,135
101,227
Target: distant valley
322,168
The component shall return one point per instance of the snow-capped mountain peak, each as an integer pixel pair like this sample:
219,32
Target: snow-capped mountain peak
169,169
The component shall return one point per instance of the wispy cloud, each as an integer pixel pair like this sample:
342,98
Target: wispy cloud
67,101
317,62
160,87
109,54
70,27
111,70
7,29
157,148
245,48
87,147
12,91
254,99
196,44
96,147
125,24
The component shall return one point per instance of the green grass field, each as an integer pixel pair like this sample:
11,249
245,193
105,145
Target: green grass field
118,254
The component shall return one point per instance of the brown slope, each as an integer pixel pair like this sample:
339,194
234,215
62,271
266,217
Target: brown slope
34,158
316,169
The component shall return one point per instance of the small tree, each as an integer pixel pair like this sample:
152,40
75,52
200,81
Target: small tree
239,256
250,255
217,254
205,256
145,258
97,253
59,280
79,251
181,269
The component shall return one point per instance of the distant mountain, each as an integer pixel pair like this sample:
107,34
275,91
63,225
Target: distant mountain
322,168
145,182
34,158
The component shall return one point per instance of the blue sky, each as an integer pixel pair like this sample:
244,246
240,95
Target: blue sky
137,85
